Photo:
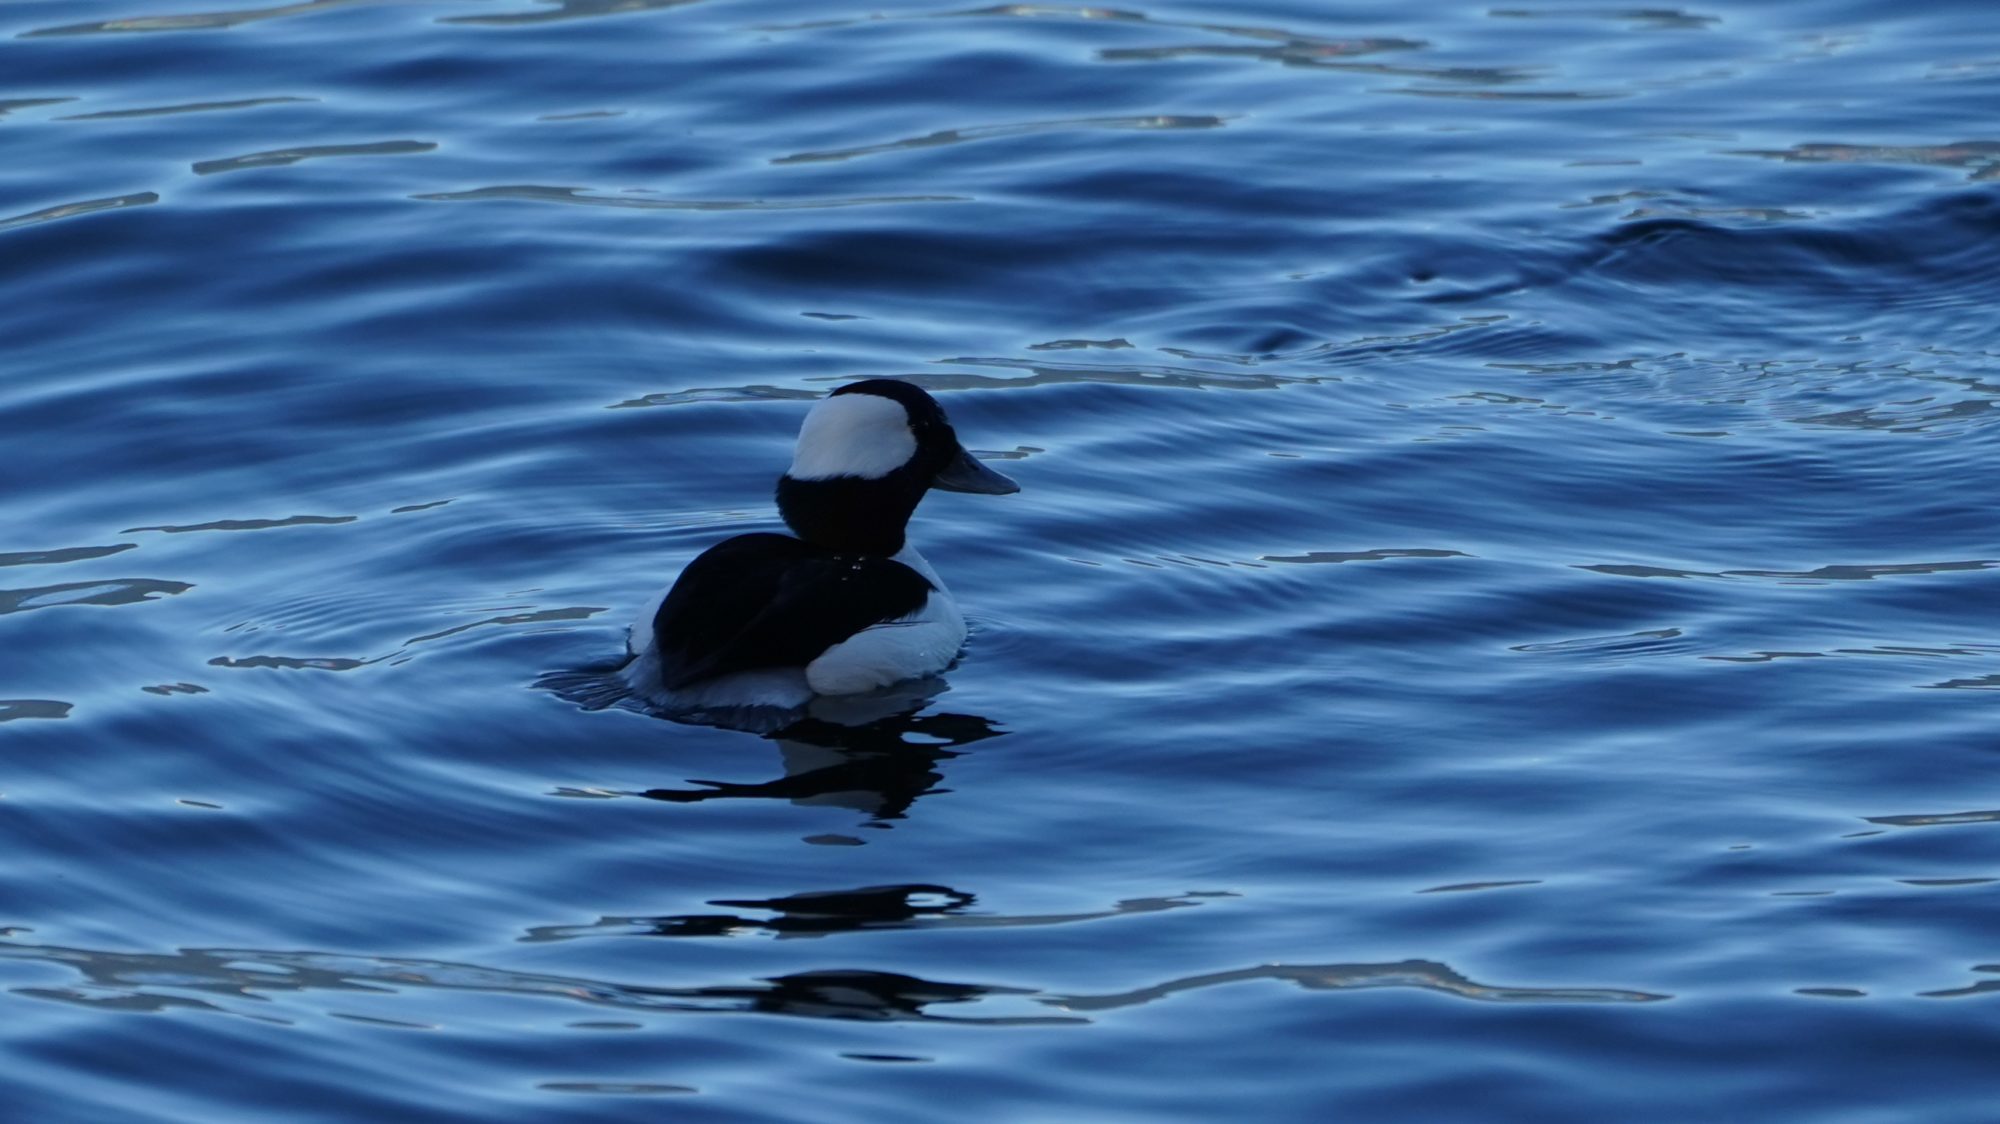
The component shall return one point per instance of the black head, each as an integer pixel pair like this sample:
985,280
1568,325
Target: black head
866,455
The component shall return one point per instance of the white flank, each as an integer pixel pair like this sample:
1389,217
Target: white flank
853,435
783,687
923,643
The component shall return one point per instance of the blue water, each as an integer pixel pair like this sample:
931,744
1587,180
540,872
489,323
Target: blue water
1499,623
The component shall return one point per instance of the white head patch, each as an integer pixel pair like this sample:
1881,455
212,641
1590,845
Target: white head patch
853,435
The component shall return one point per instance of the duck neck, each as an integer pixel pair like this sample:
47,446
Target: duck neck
849,514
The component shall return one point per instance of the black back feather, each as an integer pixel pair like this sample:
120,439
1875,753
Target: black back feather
765,601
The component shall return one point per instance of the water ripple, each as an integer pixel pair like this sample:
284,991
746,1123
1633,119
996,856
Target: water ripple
1980,158
86,207
994,132
1818,576
535,616
1648,642
1336,556
188,107
249,524
13,709
539,193
611,1088
1975,683
120,591
1045,373
1426,975
1304,52
1469,887
1931,819
68,554
570,10
752,393
194,21
294,663
9,105
277,157
1652,19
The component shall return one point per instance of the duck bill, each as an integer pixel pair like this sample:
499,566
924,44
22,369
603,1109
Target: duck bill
966,474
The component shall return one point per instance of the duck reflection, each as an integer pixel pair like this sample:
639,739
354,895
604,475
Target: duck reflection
245,982
874,755
822,913
856,994
809,914
278,986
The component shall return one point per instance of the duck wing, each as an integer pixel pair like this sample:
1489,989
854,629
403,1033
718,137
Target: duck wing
766,600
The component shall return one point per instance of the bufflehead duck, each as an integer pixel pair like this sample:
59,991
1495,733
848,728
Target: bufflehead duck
846,606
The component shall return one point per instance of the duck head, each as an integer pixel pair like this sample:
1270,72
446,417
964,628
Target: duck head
866,455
